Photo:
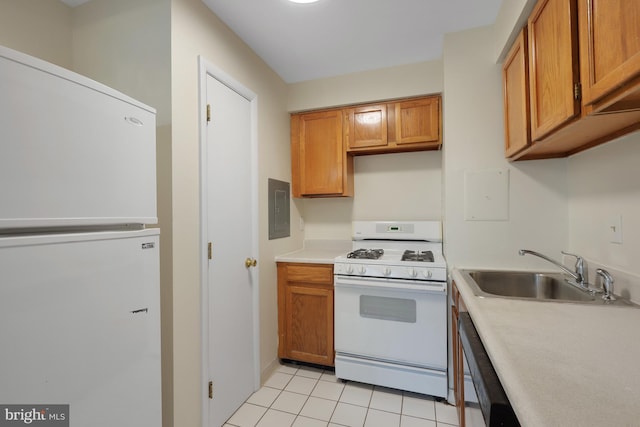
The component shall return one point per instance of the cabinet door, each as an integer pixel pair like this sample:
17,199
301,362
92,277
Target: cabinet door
319,163
553,63
609,46
418,121
515,76
305,312
366,126
310,324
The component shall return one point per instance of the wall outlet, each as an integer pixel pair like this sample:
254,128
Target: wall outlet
614,228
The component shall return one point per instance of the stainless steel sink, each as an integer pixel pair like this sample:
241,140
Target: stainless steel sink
530,286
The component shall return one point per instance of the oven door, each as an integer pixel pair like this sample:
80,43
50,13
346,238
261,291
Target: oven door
402,321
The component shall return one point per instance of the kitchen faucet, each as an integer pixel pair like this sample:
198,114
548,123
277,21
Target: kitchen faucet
580,275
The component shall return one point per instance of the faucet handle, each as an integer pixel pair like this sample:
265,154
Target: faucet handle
578,257
580,267
607,284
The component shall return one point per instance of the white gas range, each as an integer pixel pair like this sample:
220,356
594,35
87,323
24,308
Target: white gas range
390,307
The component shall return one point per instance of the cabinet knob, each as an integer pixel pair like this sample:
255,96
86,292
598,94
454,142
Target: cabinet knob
250,262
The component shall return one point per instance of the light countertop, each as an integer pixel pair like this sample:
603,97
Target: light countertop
562,364
317,252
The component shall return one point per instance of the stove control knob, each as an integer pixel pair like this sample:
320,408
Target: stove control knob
427,274
387,271
362,269
349,269
413,272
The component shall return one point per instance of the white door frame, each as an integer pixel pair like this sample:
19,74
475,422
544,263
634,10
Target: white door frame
205,69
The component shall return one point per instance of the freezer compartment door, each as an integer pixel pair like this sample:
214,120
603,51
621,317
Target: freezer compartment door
80,318
74,152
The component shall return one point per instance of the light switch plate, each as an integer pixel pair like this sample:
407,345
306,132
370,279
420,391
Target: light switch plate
614,228
486,195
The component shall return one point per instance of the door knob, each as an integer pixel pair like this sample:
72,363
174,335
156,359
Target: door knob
250,262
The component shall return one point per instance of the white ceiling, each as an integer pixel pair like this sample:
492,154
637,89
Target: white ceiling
334,37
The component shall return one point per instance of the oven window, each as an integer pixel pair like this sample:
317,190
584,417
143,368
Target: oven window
385,308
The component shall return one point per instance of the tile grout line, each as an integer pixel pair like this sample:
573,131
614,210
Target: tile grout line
318,380
271,404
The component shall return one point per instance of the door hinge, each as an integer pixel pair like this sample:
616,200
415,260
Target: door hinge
210,389
577,91
208,112
210,250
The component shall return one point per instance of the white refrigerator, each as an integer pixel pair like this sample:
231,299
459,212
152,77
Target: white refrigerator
79,269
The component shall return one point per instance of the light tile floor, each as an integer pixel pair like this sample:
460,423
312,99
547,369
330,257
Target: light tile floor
300,396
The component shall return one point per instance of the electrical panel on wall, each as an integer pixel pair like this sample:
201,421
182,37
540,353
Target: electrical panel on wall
279,202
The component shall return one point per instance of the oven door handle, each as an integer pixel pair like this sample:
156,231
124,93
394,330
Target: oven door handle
395,284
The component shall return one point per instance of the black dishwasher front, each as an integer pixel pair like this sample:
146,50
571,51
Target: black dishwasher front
492,398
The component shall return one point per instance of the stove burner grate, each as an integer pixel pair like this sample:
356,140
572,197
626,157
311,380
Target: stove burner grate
421,256
366,254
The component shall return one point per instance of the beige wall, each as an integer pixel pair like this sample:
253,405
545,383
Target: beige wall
125,44
197,31
537,193
386,83
402,186
605,182
41,28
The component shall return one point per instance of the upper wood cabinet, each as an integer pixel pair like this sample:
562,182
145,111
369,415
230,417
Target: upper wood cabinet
324,142
319,164
554,74
515,76
397,126
366,126
610,53
419,122
578,98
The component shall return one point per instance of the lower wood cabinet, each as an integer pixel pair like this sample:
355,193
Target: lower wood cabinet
456,350
468,413
305,312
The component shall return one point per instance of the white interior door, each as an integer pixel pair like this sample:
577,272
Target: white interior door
231,284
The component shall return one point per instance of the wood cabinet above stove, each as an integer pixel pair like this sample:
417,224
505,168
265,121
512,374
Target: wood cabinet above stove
323,142
392,127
